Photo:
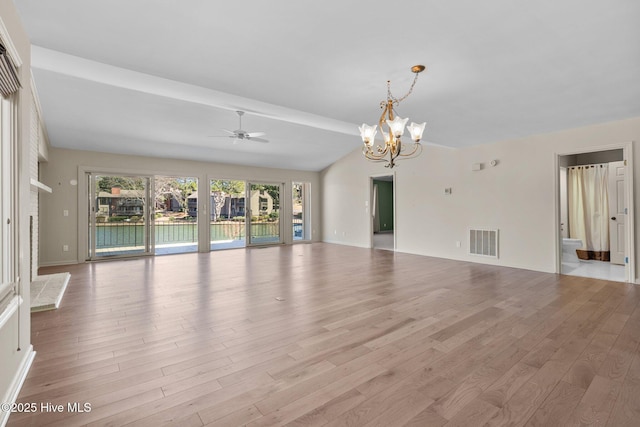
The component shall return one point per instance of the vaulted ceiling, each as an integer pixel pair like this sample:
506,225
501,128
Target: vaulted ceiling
159,78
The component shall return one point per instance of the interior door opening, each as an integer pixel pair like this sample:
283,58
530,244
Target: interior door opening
594,214
383,212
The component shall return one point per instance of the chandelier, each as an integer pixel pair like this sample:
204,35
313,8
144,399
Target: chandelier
393,148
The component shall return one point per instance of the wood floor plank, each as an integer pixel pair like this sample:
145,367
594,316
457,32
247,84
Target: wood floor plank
627,411
402,400
557,408
330,410
314,398
477,412
358,337
596,404
584,369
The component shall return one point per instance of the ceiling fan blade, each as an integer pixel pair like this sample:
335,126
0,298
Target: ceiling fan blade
258,140
255,134
228,131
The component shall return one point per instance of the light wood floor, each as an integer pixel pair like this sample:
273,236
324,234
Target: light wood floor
332,335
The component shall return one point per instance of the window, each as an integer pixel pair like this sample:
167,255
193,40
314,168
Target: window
8,184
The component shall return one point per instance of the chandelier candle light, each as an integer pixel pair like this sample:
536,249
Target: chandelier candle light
393,147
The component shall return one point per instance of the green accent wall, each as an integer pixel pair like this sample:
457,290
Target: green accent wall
385,204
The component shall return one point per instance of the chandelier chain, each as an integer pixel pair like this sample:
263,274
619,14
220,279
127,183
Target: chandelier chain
395,100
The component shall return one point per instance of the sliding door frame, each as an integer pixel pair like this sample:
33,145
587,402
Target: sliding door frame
147,212
85,177
281,209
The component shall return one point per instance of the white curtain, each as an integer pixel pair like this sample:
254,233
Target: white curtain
589,210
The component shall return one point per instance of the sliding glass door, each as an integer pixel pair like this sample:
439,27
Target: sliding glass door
264,213
175,214
133,215
119,216
227,214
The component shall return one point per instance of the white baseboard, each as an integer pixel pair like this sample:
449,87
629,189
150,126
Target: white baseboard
335,242
18,380
57,263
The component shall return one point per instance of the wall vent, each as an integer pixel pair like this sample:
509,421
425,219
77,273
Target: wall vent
483,242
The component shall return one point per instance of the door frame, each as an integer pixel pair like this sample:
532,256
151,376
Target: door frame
370,206
84,178
149,238
282,206
627,150
307,230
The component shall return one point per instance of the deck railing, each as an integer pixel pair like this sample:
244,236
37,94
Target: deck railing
126,234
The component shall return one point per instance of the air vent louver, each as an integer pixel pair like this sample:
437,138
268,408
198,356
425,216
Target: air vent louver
483,242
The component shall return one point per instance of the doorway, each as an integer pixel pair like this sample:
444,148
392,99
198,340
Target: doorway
383,212
595,214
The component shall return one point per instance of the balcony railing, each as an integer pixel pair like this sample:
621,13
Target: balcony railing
126,234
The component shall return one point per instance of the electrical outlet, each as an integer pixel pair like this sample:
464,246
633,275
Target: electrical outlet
65,212
458,244
65,248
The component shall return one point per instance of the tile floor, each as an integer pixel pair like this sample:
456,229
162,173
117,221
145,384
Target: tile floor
383,240
595,270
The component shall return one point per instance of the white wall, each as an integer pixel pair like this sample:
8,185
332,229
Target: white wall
517,196
13,363
63,166
37,153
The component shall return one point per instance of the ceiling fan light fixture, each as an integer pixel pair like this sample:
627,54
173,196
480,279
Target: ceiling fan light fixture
242,135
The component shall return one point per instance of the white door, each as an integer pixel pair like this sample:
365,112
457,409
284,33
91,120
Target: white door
617,212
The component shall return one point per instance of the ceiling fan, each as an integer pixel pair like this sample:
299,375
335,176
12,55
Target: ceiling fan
242,135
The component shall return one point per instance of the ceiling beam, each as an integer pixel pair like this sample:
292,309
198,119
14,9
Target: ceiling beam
74,66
